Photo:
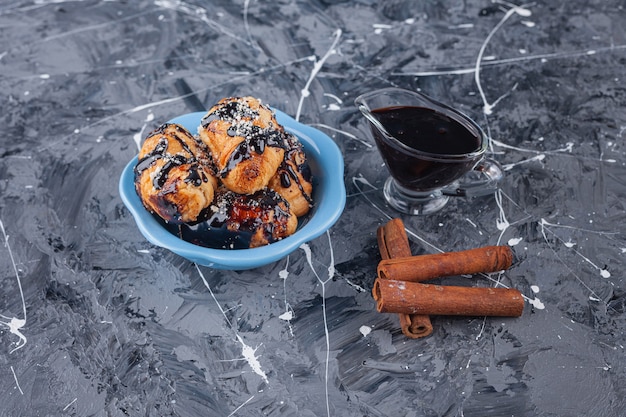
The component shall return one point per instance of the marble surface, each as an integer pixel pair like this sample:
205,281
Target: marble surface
95,321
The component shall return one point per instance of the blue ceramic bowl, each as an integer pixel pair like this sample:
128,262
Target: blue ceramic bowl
329,195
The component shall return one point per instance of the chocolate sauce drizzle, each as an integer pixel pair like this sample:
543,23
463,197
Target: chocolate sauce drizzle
196,176
234,219
288,174
241,116
256,140
230,111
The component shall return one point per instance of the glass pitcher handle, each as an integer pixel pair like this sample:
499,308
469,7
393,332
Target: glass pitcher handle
482,180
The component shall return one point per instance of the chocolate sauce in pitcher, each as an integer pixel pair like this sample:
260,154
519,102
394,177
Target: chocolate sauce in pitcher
440,147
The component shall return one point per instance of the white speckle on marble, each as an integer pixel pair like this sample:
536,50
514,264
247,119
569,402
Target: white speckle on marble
249,355
287,316
537,304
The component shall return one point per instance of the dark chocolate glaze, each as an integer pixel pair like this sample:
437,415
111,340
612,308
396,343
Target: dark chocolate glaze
240,115
232,221
302,171
160,152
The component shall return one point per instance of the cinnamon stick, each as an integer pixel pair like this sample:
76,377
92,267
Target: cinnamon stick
394,296
393,242
415,325
424,267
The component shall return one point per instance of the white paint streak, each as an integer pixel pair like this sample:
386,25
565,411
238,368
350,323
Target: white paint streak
147,106
501,222
249,354
488,108
334,97
246,24
506,61
604,273
357,181
14,324
508,167
70,404
17,383
462,26
240,406
316,69
288,315
342,132
201,14
138,137
331,273
96,26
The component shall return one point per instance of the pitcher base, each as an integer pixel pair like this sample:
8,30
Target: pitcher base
414,203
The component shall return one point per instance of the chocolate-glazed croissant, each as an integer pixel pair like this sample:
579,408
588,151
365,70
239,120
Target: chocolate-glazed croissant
264,214
293,178
246,142
173,176
238,221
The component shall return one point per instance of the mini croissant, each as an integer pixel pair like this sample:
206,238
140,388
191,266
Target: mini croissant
293,178
173,176
264,216
246,142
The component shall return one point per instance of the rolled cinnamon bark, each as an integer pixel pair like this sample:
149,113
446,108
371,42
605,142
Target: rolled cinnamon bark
415,325
394,296
393,242
424,267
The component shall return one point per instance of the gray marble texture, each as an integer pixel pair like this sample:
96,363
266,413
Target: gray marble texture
96,321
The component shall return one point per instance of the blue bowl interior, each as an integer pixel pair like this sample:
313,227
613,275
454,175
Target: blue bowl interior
329,197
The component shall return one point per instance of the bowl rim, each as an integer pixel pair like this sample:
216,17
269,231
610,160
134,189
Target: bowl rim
321,148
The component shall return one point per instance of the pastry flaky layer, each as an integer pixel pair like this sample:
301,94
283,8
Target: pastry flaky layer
292,179
173,176
263,217
260,170
247,143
